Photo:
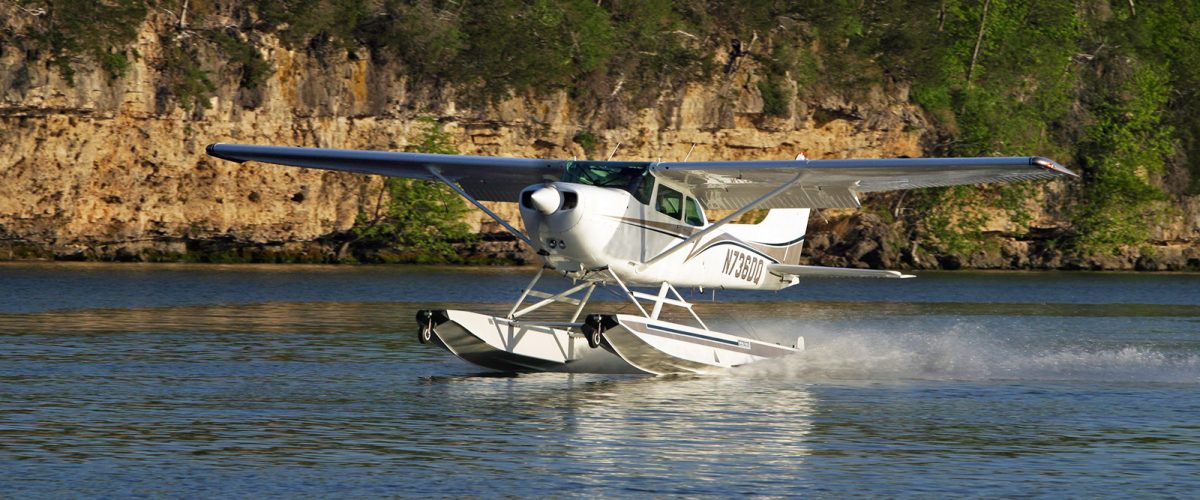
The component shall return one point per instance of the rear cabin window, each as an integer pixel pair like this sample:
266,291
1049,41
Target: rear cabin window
670,202
692,214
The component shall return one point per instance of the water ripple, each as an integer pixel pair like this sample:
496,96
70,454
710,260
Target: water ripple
941,398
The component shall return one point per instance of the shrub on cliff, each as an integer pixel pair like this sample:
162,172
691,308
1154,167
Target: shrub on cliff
71,29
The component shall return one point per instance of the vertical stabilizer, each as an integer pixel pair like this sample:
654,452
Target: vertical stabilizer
780,234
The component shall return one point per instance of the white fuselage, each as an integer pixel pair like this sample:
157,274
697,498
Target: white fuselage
593,227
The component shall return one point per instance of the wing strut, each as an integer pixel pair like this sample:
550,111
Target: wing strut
521,236
733,216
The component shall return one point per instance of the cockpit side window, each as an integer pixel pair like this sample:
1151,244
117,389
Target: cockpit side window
692,214
670,202
645,190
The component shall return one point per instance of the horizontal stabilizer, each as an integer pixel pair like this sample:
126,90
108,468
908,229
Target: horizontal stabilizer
833,272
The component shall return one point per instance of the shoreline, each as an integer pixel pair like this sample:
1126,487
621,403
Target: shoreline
201,261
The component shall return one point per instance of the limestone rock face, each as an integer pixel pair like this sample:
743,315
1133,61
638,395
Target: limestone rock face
110,167
106,162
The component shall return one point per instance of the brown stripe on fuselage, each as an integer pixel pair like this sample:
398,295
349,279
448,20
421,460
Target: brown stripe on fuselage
726,238
676,230
785,254
774,253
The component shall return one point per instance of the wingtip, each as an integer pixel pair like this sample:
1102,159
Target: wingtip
1052,166
212,150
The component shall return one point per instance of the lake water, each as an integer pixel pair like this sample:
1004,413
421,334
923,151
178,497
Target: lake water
181,380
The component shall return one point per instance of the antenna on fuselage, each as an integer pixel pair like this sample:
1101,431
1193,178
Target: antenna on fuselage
614,152
689,155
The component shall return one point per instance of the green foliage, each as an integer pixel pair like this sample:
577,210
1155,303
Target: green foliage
592,49
420,219
954,217
586,140
658,44
1166,35
251,65
313,23
1111,92
776,100
496,47
427,39
1041,69
1003,99
537,45
1127,143
70,29
114,63
1022,79
184,76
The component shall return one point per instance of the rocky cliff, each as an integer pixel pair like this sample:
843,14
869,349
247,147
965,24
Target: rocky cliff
114,168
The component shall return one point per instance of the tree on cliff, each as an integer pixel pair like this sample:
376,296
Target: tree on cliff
413,221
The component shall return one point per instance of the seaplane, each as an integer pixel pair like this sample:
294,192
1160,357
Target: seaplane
639,229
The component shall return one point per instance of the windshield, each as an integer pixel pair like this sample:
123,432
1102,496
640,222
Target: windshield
621,175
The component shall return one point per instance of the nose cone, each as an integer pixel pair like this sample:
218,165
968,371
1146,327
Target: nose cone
546,200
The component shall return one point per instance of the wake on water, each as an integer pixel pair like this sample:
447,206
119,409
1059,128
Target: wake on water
964,352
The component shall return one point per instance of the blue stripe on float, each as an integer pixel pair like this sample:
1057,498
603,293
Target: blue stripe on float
690,334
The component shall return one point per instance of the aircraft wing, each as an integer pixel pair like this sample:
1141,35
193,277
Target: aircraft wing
485,178
833,272
836,183
717,184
